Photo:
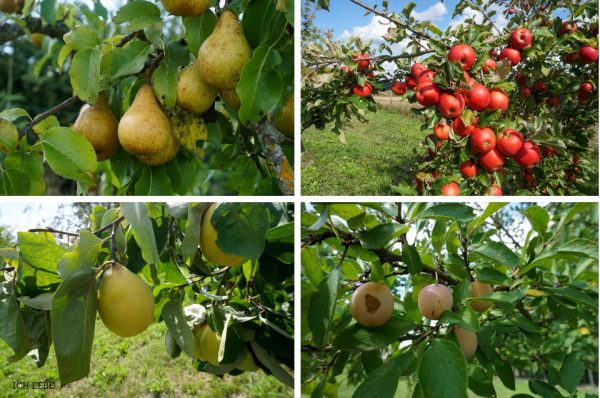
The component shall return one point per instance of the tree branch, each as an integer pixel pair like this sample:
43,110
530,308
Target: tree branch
52,231
10,31
270,140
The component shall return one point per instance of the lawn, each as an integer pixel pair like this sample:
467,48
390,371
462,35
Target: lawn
135,367
378,154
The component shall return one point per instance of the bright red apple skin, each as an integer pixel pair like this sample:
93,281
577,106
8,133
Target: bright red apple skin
514,56
411,82
553,101
587,55
451,189
567,28
427,93
495,190
451,105
489,65
526,91
363,91
441,131
362,60
416,70
492,160
463,54
528,155
509,142
478,97
461,130
468,169
586,87
520,38
498,100
426,75
482,140
398,88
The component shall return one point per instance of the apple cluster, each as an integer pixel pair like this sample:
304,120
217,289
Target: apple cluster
363,64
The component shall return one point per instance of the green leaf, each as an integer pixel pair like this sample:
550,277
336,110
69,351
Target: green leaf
383,382
48,11
321,307
572,294
538,217
39,256
82,37
492,275
448,212
73,323
172,313
378,236
85,74
241,228
127,60
505,373
571,372
356,338
443,371
489,210
9,137
12,328
497,252
271,363
573,250
438,235
69,154
154,181
139,13
31,168
164,78
197,29
189,246
410,256
137,215
311,265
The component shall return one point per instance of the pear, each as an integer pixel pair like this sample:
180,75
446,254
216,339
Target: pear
224,53
165,155
284,120
99,126
193,93
186,8
144,129
10,6
208,243
125,302
231,97
37,39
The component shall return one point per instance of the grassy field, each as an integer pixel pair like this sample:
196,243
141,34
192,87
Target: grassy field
379,154
135,367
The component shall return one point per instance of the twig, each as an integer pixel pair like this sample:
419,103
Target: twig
7,269
109,226
10,31
270,140
52,231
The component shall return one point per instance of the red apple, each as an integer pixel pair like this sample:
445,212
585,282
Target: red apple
567,28
483,140
463,54
510,11
588,55
571,57
346,69
520,38
468,169
492,160
362,60
427,93
398,88
548,151
540,86
498,100
509,142
520,78
526,91
411,83
489,65
451,105
586,87
461,130
426,75
494,53
478,97
528,155
495,190
553,101
416,70
514,56
363,91
441,130
583,97
451,189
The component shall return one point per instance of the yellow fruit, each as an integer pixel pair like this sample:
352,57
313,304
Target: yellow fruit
99,126
144,129
284,120
165,155
187,8
433,300
125,302
10,6
208,243
37,39
193,93
224,53
479,289
372,304
209,346
466,340
197,330
231,98
248,364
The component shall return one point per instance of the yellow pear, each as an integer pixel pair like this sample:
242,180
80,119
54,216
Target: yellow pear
99,126
144,129
224,53
209,346
198,330
186,8
208,243
37,39
125,302
284,120
248,364
165,155
231,97
10,6
193,93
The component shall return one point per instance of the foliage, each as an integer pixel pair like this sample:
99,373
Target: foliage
565,133
545,302
48,289
97,51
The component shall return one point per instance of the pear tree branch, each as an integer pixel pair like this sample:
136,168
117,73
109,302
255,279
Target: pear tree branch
270,140
11,31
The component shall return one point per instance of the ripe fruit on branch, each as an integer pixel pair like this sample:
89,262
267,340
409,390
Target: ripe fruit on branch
498,100
197,330
411,82
209,346
520,78
125,302
514,56
571,57
467,341
583,97
479,289
372,304
463,54
520,38
426,75
193,93
482,140
398,88
450,189
509,142
461,130
99,126
526,91
10,6
489,65
362,60
495,190
528,155
553,101
434,299
37,39
362,91
441,131
478,97
416,70
492,160
586,87
346,70
567,28
540,86
468,169
427,93
208,242
283,119
188,8
587,55
451,105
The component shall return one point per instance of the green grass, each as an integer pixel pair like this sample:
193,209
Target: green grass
378,154
134,367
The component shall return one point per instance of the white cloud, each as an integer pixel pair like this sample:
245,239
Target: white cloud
433,13
373,31
499,20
